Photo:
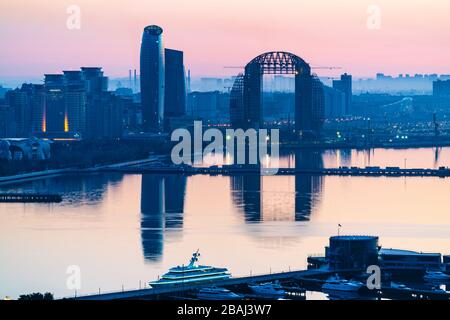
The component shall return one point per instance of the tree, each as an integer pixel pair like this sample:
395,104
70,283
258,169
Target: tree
36,296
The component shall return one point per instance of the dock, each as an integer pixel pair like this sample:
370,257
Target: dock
442,172
180,290
295,283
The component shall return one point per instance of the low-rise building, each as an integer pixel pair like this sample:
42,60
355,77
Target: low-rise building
24,149
396,259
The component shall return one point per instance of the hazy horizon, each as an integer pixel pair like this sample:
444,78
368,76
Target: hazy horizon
413,35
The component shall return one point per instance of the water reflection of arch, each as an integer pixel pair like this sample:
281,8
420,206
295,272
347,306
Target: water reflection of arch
308,188
162,206
247,196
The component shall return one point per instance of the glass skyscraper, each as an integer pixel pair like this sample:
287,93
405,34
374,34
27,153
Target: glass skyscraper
152,79
175,98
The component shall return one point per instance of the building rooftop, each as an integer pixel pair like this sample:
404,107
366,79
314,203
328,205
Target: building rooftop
91,68
153,30
353,237
390,251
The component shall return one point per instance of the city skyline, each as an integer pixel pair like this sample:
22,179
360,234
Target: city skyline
301,148
209,34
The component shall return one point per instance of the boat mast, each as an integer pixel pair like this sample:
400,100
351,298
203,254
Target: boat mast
194,258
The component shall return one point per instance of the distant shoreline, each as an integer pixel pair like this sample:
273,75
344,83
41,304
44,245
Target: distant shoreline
403,145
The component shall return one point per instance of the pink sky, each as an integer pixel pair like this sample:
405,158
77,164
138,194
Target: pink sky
414,35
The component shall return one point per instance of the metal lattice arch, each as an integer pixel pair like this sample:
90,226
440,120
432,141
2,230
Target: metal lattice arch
246,94
280,62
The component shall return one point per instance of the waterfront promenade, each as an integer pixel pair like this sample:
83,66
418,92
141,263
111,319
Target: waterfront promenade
59,172
231,170
147,166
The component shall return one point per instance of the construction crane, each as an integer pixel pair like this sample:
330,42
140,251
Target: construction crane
327,68
329,78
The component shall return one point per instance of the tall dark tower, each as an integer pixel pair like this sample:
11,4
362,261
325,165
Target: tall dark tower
152,79
175,88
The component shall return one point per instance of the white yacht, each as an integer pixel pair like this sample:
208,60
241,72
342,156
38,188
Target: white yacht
436,275
191,274
217,293
438,290
396,285
342,295
337,284
272,289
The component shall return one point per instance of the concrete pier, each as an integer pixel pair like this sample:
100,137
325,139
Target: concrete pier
342,171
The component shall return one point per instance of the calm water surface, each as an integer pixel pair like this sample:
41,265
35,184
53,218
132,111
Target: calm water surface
129,229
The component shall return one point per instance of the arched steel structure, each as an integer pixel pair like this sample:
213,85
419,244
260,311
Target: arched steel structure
237,101
279,62
248,88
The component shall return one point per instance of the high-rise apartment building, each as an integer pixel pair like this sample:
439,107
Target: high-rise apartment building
75,103
441,88
345,85
18,100
55,109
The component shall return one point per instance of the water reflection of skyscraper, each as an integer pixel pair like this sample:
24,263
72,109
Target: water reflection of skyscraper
437,153
162,207
346,157
175,189
247,192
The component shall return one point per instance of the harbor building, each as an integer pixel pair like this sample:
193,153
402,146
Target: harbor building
352,252
446,263
396,259
358,252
